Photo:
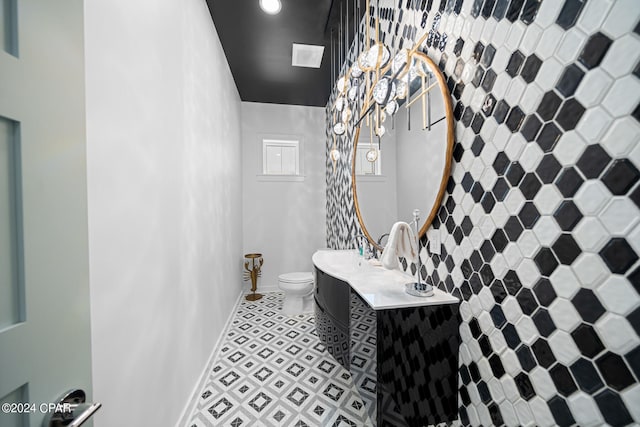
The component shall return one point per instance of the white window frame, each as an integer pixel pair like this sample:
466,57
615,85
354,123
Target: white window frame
361,158
267,143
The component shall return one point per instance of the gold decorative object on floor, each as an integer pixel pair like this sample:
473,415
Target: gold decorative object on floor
253,273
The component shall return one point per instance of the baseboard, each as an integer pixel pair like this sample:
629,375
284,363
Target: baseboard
262,289
193,397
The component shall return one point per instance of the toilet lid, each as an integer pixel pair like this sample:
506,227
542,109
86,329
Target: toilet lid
298,277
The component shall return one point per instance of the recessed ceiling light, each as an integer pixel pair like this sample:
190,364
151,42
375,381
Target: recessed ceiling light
307,55
271,6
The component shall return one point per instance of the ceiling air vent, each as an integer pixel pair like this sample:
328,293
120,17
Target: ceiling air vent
307,55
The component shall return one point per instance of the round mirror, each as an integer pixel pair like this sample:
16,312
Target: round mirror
408,166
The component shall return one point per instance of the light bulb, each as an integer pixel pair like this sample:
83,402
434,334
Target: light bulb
363,62
399,61
343,84
339,128
391,107
372,155
377,56
271,7
384,90
356,71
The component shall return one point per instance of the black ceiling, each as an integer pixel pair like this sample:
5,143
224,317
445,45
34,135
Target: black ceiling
258,47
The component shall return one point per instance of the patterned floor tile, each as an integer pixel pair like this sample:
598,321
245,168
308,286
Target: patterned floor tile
272,370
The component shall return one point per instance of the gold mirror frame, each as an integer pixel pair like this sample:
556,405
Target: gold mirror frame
447,163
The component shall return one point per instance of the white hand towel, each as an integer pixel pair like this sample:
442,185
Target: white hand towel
401,243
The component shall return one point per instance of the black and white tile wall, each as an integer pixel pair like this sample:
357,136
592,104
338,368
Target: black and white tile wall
540,225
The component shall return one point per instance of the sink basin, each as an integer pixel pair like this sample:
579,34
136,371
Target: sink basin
342,261
379,287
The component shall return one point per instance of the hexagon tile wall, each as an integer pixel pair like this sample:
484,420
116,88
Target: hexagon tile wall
540,226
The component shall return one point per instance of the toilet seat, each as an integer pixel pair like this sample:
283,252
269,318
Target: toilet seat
297,277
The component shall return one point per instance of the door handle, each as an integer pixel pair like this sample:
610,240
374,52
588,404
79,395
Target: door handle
71,410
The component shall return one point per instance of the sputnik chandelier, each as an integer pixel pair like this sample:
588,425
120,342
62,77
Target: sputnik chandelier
376,84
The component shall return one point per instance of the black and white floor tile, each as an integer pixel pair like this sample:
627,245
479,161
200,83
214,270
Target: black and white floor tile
271,370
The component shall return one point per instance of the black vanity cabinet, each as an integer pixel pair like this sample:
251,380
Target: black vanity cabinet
417,369
404,361
332,315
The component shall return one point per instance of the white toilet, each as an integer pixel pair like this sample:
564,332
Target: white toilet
298,292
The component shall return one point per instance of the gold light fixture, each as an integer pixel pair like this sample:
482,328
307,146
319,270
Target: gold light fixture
376,85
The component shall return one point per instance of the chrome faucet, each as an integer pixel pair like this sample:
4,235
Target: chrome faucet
382,237
418,288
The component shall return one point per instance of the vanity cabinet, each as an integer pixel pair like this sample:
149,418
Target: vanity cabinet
417,365
404,361
332,315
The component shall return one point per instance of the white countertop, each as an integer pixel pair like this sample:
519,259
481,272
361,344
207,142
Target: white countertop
379,287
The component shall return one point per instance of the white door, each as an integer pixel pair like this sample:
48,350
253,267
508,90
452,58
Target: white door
44,274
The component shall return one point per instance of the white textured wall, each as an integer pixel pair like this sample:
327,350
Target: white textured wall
165,233
285,221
